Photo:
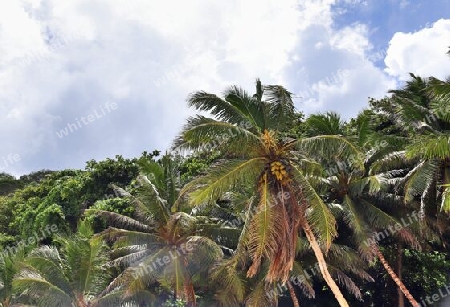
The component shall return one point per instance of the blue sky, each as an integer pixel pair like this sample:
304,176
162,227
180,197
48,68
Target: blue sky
386,17
63,64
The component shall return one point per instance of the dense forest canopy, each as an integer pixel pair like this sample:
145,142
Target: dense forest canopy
255,205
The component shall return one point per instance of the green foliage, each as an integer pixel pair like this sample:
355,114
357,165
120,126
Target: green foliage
75,274
119,171
174,303
118,205
8,184
425,279
347,179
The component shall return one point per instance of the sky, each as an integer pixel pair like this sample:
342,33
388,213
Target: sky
91,79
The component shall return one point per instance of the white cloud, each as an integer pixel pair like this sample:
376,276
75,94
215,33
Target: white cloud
64,59
422,53
332,69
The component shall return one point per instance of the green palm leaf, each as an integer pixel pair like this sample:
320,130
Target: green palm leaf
223,178
319,215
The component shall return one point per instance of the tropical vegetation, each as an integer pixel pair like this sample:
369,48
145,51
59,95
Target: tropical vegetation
256,204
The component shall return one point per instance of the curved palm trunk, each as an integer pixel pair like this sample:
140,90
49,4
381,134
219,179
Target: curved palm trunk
80,302
292,293
323,265
394,277
401,297
189,293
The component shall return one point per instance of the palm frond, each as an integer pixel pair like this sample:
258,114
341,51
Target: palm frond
118,298
430,147
203,133
218,107
40,289
419,179
332,146
265,229
445,203
329,123
230,283
46,261
440,95
281,107
346,281
119,220
263,295
223,178
354,218
394,160
250,107
385,222
319,215
201,254
123,237
149,204
302,280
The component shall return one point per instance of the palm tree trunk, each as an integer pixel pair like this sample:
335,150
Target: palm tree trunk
292,293
189,293
79,297
395,277
323,265
401,297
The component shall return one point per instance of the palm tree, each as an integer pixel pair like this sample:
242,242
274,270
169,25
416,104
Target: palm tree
233,289
157,250
361,192
421,110
247,130
71,278
8,268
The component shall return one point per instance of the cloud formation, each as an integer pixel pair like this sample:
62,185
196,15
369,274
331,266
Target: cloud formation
422,52
61,60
